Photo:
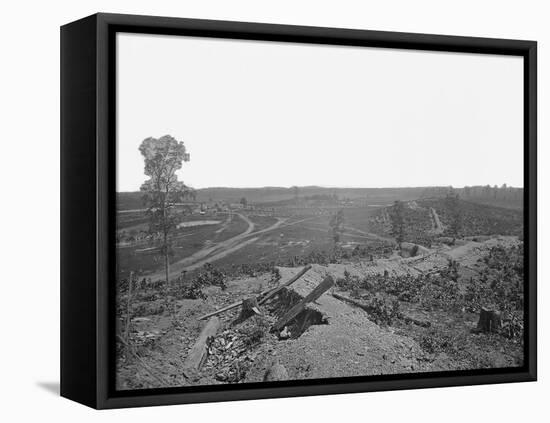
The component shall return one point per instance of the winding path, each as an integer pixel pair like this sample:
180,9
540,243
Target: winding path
221,249
188,263
438,226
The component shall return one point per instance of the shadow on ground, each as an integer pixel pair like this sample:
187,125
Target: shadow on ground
51,387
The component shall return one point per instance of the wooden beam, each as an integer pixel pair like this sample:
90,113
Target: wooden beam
351,301
221,310
319,290
199,352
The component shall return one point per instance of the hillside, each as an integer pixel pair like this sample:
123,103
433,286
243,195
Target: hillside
132,200
506,197
429,218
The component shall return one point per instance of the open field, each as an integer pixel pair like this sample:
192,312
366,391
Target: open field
389,309
252,238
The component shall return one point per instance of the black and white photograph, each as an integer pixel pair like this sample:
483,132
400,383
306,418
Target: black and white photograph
289,211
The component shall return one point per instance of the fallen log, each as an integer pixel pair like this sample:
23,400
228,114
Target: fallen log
263,296
368,309
293,279
414,321
351,301
199,352
221,310
319,290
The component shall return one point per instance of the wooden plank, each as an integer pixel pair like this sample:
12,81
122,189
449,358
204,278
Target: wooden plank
319,290
286,284
221,310
199,352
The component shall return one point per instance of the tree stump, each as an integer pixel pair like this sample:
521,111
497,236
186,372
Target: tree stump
489,320
319,290
249,308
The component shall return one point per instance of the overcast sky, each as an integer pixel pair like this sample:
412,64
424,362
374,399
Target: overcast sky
255,114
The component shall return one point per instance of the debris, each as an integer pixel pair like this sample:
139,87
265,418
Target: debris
285,333
319,290
233,373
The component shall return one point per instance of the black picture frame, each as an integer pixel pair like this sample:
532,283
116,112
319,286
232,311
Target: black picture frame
88,213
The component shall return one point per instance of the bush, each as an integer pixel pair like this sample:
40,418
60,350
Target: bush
382,309
512,325
435,342
211,276
353,283
192,291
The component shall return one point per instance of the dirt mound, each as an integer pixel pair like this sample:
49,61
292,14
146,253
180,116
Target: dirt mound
349,345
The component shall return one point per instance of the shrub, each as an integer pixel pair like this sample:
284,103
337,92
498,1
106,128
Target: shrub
382,309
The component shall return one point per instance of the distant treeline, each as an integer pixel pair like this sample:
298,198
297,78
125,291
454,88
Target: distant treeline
133,200
503,196
498,196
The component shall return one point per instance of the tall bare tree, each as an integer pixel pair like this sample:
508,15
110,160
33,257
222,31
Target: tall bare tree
163,157
397,212
336,225
453,205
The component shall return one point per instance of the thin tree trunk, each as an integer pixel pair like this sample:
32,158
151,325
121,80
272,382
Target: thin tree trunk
166,263
128,307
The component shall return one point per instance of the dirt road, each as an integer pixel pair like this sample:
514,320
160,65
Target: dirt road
436,222
199,256
221,249
370,235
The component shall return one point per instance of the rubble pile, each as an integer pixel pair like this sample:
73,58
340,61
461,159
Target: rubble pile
231,352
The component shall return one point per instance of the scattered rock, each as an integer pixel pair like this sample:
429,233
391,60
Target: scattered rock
285,333
276,372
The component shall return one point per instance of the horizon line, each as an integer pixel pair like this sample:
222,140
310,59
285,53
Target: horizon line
342,187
